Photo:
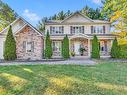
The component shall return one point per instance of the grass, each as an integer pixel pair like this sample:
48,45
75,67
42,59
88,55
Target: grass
101,79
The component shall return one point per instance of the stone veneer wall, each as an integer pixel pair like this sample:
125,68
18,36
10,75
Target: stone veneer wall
82,41
28,35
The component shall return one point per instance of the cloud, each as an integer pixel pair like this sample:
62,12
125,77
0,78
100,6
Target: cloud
96,1
30,15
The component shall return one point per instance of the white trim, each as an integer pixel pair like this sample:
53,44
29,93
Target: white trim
31,26
20,29
26,23
75,14
9,25
79,36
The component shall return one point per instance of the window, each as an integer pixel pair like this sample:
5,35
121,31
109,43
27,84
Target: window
56,45
97,29
28,46
77,29
103,46
57,30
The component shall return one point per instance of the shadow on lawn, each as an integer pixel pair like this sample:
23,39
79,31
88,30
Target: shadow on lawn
22,81
57,80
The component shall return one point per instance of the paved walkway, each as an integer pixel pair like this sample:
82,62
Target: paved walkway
71,61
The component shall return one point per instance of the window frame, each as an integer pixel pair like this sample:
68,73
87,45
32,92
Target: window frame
56,30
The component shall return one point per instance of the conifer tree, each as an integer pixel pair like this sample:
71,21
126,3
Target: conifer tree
10,46
95,48
115,51
48,46
65,48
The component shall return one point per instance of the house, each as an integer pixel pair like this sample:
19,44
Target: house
30,43
80,30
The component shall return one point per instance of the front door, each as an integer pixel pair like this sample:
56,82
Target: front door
76,48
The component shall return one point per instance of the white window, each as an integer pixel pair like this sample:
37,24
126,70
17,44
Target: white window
28,46
98,29
77,29
57,30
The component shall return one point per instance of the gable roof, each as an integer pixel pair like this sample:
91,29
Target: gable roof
62,21
26,23
75,14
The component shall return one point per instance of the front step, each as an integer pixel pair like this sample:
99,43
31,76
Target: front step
79,57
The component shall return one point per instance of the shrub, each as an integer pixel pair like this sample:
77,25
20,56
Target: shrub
95,48
48,47
115,50
65,48
10,46
123,51
72,53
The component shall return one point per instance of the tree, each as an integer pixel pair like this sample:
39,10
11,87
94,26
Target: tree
41,24
115,50
95,48
90,12
7,15
48,47
65,48
10,46
116,12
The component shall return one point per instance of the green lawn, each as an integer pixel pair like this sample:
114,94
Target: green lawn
101,79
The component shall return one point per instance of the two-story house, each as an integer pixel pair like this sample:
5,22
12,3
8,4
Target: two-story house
80,30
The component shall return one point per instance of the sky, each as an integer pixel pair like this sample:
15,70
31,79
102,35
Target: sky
34,10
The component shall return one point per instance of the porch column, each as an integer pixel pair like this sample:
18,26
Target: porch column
89,48
69,44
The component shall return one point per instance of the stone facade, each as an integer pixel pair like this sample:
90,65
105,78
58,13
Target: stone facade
29,35
82,41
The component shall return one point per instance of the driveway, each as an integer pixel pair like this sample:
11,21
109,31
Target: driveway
70,61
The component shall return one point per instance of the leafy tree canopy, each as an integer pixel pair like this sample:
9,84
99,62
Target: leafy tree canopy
116,12
90,12
7,15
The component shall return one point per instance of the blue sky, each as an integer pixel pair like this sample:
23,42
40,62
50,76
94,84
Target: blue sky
34,10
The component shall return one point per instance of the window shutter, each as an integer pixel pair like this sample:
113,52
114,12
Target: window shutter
24,45
50,29
91,29
83,29
62,29
71,29
106,47
32,46
104,29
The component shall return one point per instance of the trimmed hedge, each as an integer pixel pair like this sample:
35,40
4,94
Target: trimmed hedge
95,48
48,47
65,48
10,46
115,50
